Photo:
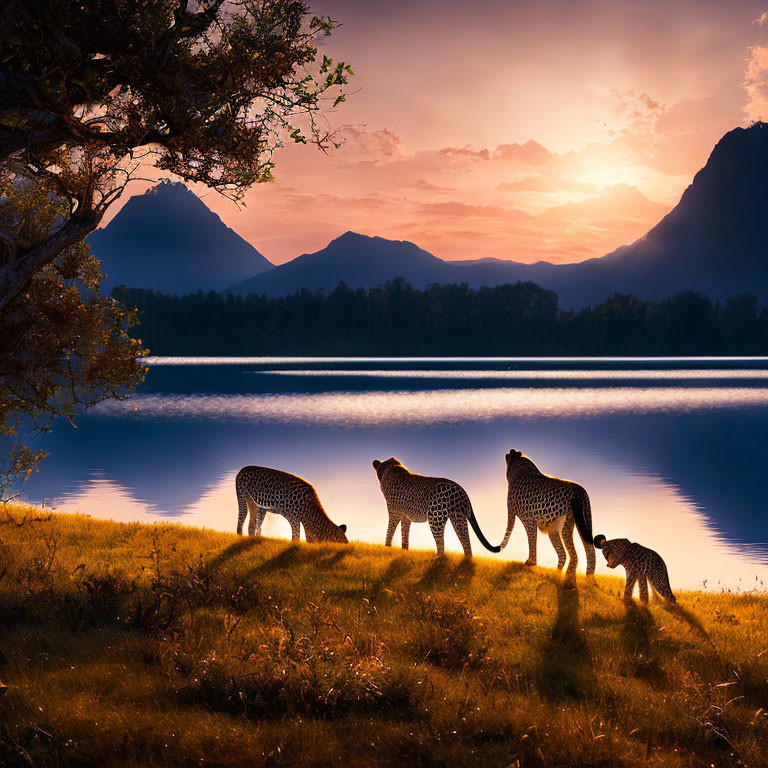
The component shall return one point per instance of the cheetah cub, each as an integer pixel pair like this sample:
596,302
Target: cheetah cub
640,563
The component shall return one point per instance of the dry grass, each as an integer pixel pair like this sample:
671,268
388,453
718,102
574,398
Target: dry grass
129,645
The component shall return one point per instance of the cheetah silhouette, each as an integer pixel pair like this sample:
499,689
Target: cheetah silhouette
640,563
261,490
551,505
413,498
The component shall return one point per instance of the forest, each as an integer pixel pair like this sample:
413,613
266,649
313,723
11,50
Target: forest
397,320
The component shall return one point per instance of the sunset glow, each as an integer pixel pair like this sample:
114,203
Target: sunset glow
577,131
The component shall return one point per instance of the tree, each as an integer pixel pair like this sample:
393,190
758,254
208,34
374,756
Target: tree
91,91
62,345
205,89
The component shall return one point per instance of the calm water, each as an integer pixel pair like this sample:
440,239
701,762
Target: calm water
671,451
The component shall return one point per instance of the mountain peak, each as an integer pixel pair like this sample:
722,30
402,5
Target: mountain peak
166,186
350,236
168,239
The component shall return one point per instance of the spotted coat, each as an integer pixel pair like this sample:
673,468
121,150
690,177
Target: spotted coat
261,490
413,498
641,564
550,505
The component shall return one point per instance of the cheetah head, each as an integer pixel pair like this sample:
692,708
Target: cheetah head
512,458
341,531
381,467
613,549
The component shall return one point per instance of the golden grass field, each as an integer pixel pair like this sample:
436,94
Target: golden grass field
136,645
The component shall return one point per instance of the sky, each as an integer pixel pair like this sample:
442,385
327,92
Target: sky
529,130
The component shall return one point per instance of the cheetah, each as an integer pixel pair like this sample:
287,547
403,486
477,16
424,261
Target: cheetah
413,498
640,563
550,504
261,490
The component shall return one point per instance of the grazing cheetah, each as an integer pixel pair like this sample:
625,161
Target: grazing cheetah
413,498
640,563
550,504
261,490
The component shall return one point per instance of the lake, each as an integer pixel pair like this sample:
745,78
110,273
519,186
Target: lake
671,451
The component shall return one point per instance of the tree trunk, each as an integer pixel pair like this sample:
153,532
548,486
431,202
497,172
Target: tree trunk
16,274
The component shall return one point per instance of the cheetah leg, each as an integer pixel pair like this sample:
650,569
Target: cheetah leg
437,526
242,510
405,531
256,519
573,557
462,531
557,543
630,587
532,531
391,528
643,583
590,550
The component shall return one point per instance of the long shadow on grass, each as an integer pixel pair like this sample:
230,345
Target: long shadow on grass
371,588
233,550
439,573
317,556
565,667
508,573
690,619
396,569
640,639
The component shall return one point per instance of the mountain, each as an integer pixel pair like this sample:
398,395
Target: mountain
169,240
714,241
354,259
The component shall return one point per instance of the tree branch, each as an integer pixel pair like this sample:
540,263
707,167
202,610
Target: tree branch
15,276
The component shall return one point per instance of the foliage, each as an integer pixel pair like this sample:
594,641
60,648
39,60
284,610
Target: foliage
285,654
62,345
396,319
206,90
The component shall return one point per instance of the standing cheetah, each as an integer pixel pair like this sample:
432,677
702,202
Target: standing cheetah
261,490
640,563
413,498
550,504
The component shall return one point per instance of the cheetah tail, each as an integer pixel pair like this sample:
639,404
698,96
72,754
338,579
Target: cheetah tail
583,523
242,509
476,528
508,532
660,583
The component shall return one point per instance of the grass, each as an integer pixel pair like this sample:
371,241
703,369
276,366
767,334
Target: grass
135,645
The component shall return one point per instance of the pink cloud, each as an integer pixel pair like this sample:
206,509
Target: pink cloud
756,82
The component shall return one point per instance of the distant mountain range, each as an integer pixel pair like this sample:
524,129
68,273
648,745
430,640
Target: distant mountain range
169,240
714,241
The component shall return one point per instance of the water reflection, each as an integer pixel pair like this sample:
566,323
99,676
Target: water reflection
675,467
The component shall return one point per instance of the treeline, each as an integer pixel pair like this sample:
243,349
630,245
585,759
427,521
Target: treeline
396,319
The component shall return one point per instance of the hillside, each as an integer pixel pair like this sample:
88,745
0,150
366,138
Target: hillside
130,645
169,240
714,241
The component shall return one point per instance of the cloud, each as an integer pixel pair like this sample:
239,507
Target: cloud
371,147
530,153
546,183
428,186
453,210
756,82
